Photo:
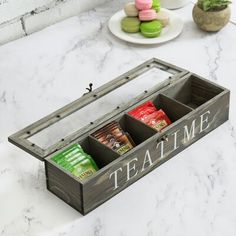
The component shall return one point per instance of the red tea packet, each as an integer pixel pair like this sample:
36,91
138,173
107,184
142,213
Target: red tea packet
157,120
143,110
151,116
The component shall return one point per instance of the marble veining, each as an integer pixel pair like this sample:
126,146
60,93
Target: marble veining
192,194
214,64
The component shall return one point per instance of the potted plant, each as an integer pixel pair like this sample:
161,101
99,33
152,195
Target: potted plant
211,15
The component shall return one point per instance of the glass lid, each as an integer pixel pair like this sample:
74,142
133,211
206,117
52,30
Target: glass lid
56,130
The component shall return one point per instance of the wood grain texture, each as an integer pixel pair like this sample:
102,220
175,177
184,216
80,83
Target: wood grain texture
173,108
64,186
100,188
189,126
193,91
101,154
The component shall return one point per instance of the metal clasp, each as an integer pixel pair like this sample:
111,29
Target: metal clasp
90,89
163,138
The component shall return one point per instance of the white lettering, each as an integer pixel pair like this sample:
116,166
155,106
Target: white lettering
204,120
162,148
147,160
189,135
188,132
115,173
175,139
129,169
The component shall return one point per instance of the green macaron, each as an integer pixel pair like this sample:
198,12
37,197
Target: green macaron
151,29
156,5
130,24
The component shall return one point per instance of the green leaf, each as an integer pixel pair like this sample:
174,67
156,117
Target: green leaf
213,5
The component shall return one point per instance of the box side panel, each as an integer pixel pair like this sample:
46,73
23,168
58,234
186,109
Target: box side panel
155,151
64,186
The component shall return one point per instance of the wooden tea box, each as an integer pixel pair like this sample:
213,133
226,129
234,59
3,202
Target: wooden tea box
195,106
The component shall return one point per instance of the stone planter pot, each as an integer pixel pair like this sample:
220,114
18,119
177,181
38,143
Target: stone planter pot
211,20
173,4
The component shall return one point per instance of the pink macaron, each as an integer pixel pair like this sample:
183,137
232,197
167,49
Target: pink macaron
143,4
147,15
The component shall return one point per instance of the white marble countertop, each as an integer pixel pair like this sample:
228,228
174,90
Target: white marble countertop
193,194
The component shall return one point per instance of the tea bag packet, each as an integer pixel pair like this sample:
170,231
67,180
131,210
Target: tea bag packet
76,161
143,110
85,168
157,120
114,137
151,116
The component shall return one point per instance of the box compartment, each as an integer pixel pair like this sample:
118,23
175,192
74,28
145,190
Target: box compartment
103,155
174,109
137,130
100,153
193,91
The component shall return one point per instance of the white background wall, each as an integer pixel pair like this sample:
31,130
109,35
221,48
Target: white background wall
10,9
16,20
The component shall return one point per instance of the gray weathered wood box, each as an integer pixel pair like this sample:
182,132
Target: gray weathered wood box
195,105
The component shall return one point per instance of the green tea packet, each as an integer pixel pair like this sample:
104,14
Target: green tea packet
69,151
85,168
76,161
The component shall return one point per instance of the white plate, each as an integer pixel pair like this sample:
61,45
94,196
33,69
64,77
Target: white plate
171,31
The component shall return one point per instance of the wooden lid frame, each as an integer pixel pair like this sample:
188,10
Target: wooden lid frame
21,138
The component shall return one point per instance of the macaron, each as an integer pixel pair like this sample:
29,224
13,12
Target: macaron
151,29
130,24
163,17
143,4
156,5
147,15
130,9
